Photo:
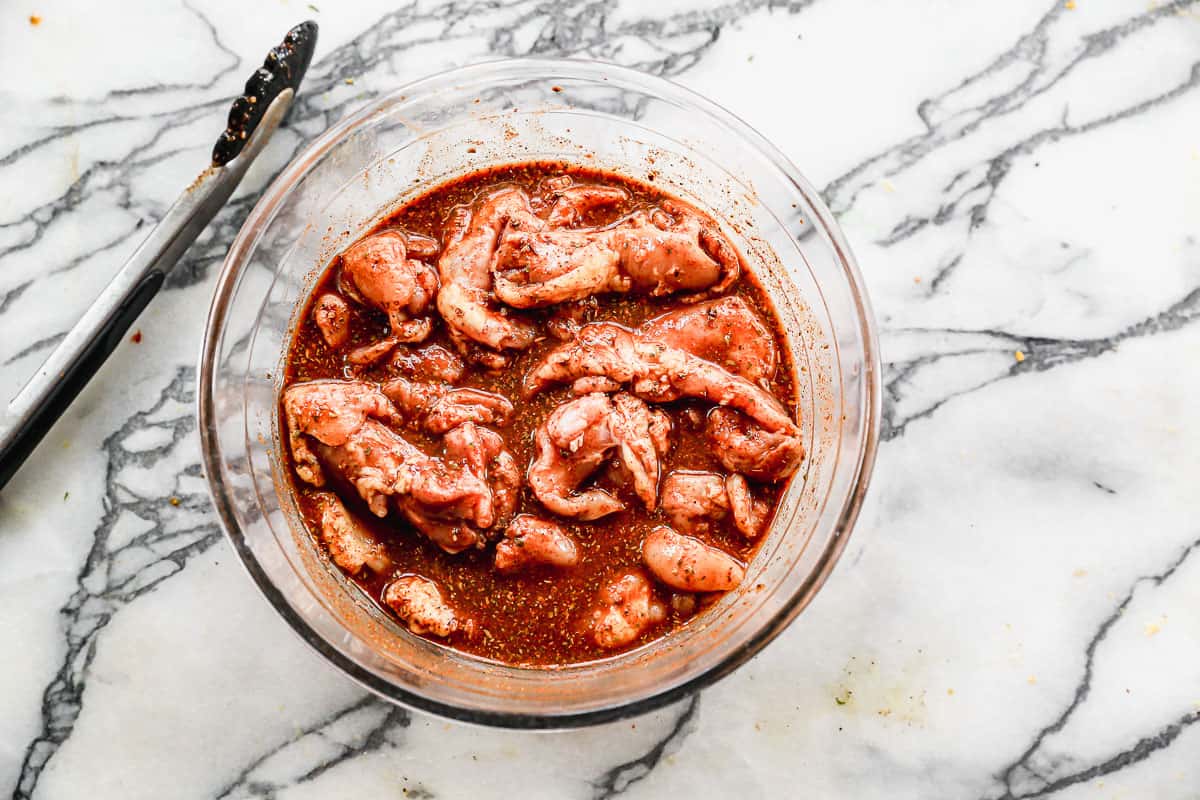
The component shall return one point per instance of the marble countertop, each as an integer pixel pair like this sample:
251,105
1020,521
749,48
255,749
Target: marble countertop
1016,613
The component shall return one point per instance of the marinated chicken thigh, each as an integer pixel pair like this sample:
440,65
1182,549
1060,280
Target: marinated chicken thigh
483,332
655,253
530,540
350,545
742,446
654,372
431,363
724,331
696,501
688,564
419,602
444,499
332,316
577,438
437,407
625,609
378,272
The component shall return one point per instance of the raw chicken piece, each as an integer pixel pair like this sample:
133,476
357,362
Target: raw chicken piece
749,513
688,564
437,408
379,272
350,545
654,372
413,398
578,436
431,363
572,204
535,269
564,204
572,444
482,451
626,608
674,248
529,540
694,500
724,331
458,406
751,450
420,245
369,354
419,602
670,250
482,332
329,411
450,533
444,499
643,437
332,316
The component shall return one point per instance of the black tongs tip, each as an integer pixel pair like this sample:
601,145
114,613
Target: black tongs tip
283,68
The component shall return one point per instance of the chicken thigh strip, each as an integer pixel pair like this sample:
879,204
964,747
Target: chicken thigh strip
688,564
654,253
655,372
444,499
529,540
429,363
725,331
437,408
572,203
465,268
749,449
378,271
419,602
625,609
330,412
578,436
694,501
750,514
482,451
350,545
332,316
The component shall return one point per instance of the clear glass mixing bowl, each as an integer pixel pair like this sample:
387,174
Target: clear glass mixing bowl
589,113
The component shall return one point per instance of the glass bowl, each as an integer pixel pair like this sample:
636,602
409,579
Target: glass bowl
587,113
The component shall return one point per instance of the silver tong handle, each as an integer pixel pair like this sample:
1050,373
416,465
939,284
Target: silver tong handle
253,118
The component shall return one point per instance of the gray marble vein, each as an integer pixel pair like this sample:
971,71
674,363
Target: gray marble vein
1039,771
618,779
351,732
986,356
141,541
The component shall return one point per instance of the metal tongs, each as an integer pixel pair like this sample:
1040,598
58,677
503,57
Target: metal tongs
252,119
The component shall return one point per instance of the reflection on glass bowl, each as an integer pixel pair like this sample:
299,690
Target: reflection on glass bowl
501,112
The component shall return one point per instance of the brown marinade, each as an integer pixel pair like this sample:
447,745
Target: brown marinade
530,618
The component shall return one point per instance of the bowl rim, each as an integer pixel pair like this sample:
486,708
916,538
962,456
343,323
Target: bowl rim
247,239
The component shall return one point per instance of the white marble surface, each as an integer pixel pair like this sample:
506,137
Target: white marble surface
1016,614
